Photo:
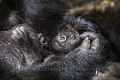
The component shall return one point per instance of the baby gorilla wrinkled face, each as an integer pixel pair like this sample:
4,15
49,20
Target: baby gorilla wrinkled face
66,40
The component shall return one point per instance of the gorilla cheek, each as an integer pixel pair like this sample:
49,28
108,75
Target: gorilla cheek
66,46
56,45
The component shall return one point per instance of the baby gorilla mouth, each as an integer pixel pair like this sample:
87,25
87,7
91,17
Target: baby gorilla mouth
56,45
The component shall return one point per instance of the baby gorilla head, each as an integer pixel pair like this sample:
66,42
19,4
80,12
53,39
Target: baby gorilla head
68,37
66,40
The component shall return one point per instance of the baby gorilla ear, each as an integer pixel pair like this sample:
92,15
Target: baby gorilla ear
68,27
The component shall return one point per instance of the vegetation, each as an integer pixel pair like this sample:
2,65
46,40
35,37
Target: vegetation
105,12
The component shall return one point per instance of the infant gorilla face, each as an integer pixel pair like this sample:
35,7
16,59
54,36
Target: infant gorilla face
66,40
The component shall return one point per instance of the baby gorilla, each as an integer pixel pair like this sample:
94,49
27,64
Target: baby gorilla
69,39
84,54
83,48
69,32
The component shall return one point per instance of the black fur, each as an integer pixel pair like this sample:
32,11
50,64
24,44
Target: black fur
42,15
21,57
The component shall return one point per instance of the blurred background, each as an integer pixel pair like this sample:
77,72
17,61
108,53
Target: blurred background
104,12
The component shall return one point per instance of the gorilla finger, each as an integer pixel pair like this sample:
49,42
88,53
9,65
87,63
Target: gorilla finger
95,44
42,40
39,35
91,35
85,44
18,33
14,34
22,28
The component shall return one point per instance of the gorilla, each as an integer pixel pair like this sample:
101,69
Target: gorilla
84,53
40,15
70,36
83,44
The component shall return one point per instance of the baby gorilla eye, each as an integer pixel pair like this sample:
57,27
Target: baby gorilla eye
72,36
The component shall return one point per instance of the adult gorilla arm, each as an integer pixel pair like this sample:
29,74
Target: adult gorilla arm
20,50
113,34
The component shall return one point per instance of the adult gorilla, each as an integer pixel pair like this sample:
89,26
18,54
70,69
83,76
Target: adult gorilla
21,55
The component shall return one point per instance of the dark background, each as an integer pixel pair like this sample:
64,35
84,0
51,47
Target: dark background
104,12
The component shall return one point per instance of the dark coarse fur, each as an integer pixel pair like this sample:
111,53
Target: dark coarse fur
113,34
81,22
21,59
113,68
42,15
80,64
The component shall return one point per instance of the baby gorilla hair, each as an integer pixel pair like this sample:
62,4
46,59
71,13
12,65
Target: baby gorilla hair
82,24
